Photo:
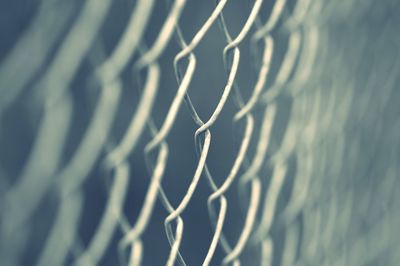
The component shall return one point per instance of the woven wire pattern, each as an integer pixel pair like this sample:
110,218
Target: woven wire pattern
293,206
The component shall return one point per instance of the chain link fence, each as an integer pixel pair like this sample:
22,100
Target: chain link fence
200,133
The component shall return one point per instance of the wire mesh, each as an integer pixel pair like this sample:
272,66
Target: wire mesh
115,170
